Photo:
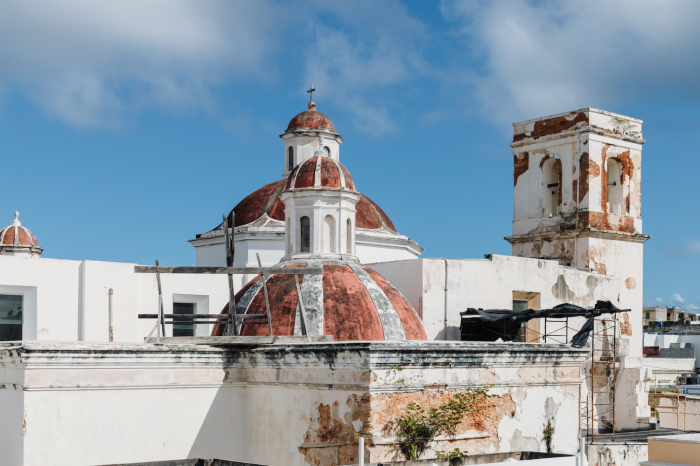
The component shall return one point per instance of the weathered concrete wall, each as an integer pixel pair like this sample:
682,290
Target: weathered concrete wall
281,404
489,284
616,454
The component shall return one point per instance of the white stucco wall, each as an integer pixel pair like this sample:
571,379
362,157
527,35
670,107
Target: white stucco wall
68,300
489,284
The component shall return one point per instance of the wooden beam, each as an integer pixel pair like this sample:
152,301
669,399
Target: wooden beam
235,341
312,270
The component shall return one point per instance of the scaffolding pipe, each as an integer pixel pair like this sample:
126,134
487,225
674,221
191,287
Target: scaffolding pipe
111,315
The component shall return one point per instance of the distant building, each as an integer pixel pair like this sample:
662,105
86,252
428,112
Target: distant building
663,314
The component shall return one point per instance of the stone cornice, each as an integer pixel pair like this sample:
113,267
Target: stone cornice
580,233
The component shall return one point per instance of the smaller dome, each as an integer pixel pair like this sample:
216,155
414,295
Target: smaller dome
319,172
311,120
16,238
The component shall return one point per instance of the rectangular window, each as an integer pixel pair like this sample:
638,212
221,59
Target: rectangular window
184,330
10,317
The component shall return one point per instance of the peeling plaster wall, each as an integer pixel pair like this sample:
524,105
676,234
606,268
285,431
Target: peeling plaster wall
281,404
616,455
489,284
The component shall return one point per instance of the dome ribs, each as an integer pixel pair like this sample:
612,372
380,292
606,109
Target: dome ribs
329,173
306,176
384,218
248,210
365,216
272,200
243,298
312,293
348,179
412,325
8,237
348,311
391,324
282,293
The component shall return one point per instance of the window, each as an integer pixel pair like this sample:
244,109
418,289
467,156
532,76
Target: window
349,237
329,236
10,317
550,187
305,234
184,330
616,205
327,151
290,159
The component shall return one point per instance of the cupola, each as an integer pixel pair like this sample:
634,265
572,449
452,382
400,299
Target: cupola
16,239
308,134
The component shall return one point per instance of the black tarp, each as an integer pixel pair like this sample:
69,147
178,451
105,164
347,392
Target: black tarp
505,323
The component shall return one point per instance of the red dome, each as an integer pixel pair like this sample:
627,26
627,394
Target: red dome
319,172
348,301
266,200
17,238
311,120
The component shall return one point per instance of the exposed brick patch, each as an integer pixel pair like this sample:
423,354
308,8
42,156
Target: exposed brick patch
553,126
589,169
630,283
521,164
625,326
601,220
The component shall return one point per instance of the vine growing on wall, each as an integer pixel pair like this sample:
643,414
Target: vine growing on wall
568,220
419,427
548,432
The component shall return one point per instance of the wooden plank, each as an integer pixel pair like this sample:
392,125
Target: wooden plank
312,270
231,329
238,340
267,301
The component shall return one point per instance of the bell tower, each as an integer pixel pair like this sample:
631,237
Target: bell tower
577,200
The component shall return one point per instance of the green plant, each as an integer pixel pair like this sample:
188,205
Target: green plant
450,455
568,220
418,427
625,127
548,433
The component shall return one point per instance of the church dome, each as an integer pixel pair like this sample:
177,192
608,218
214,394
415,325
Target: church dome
266,201
348,301
319,172
16,238
311,120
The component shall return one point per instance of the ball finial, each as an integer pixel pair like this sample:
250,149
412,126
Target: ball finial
16,221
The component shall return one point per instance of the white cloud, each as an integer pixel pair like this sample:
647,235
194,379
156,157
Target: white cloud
367,47
692,307
678,298
94,63
89,63
659,300
553,56
691,246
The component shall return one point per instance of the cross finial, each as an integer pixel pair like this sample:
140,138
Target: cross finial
311,93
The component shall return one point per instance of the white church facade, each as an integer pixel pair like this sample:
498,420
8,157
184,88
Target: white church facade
576,239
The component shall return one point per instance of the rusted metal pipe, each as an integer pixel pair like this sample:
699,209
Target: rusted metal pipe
111,315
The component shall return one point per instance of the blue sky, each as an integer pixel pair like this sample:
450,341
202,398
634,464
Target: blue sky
127,127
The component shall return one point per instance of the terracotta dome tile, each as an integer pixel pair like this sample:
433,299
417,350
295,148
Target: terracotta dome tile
412,325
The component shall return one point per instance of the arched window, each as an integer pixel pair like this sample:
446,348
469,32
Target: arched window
290,159
327,151
329,236
305,237
348,237
616,204
550,187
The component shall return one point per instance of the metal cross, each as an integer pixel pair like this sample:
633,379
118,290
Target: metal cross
311,93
